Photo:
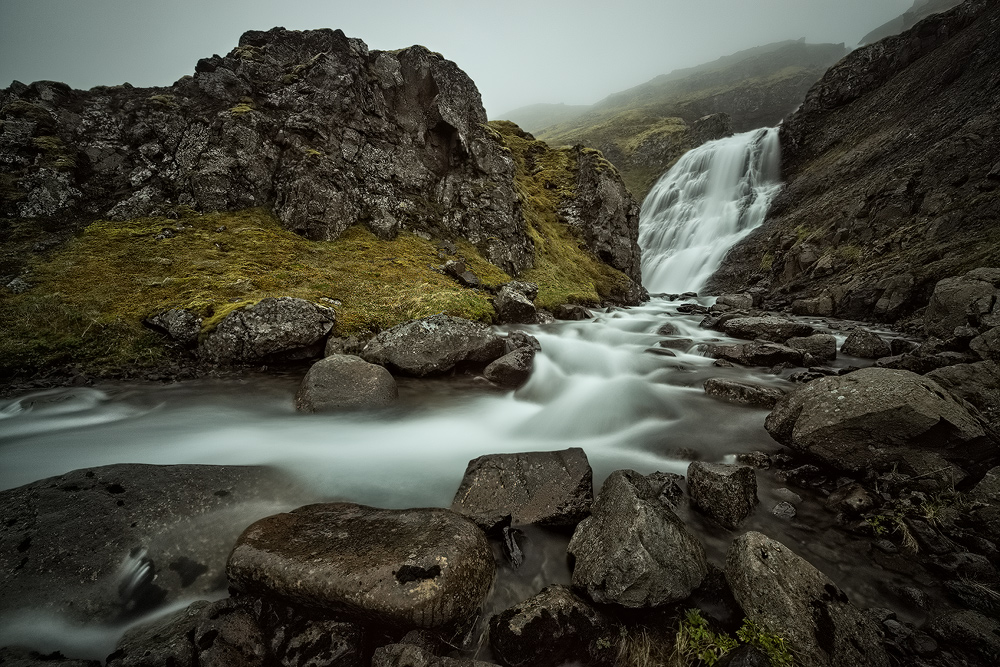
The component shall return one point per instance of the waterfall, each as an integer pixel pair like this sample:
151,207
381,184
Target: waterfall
714,196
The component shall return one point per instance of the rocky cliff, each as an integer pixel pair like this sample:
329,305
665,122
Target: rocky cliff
300,164
892,175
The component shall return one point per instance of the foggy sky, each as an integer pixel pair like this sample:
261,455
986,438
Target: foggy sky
518,52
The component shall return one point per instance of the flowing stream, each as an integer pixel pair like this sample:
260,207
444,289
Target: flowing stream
715,195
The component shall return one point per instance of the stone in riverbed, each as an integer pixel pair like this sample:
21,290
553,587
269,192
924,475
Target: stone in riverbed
434,345
345,382
513,369
727,493
743,393
633,550
784,595
865,344
274,329
543,488
757,353
823,347
571,311
772,329
868,417
739,301
554,627
417,568
513,303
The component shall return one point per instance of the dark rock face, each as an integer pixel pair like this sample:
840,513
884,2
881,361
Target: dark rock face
971,633
64,539
978,383
513,303
912,206
633,550
302,638
727,493
865,344
274,329
987,345
332,133
743,393
785,595
544,488
571,311
964,301
552,628
434,345
426,568
410,655
512,369
868,418
773,329
342,381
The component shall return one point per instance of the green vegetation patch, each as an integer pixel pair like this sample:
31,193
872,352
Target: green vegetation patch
88,299
564,270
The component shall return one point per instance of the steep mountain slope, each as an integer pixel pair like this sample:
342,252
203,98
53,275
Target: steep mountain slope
893,179
644,130
920,10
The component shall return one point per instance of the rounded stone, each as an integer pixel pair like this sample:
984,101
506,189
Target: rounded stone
344,382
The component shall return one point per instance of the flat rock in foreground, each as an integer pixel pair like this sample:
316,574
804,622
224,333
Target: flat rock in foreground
785,595
773,329
869,416
434,345
544,488
416,568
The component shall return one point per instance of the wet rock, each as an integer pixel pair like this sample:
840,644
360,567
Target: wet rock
756,459
988,489
103,544
513,303
410,655
956,302
680,344
515,340
543,488
727,493
739,301
164,642
350,345
345,382
717,321
666,329
822,347
513,369
298,637
978,384
785,595
422,568
745,655
743,393
692,308
788,495
969,633
633,551
963,565
772,329
784,510
571,311
666,487
819,306
274,329
868,417
851,499
865,344
553,627
434,345
180,324
758,353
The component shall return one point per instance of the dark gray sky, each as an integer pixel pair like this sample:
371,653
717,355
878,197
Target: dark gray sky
518,51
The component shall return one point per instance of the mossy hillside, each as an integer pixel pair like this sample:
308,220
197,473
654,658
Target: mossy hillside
545,178
88,299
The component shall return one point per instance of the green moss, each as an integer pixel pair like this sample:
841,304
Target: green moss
766,262
162,101
848,253
89,298
241,108
27,111
564,271
54,153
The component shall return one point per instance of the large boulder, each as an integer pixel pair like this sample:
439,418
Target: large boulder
987,345
417,568
102,544
514,303
180,324
743,393
773,329
822,347
786,596
633,550
727,493
543,488
434,345
960,301
554,627
274,329
978,384
344,382
868,417
865,344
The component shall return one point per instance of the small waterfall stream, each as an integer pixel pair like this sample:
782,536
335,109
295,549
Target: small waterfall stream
714,196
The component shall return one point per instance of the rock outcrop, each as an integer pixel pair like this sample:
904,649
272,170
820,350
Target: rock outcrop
892,175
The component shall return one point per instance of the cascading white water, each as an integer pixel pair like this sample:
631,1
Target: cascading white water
714,196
